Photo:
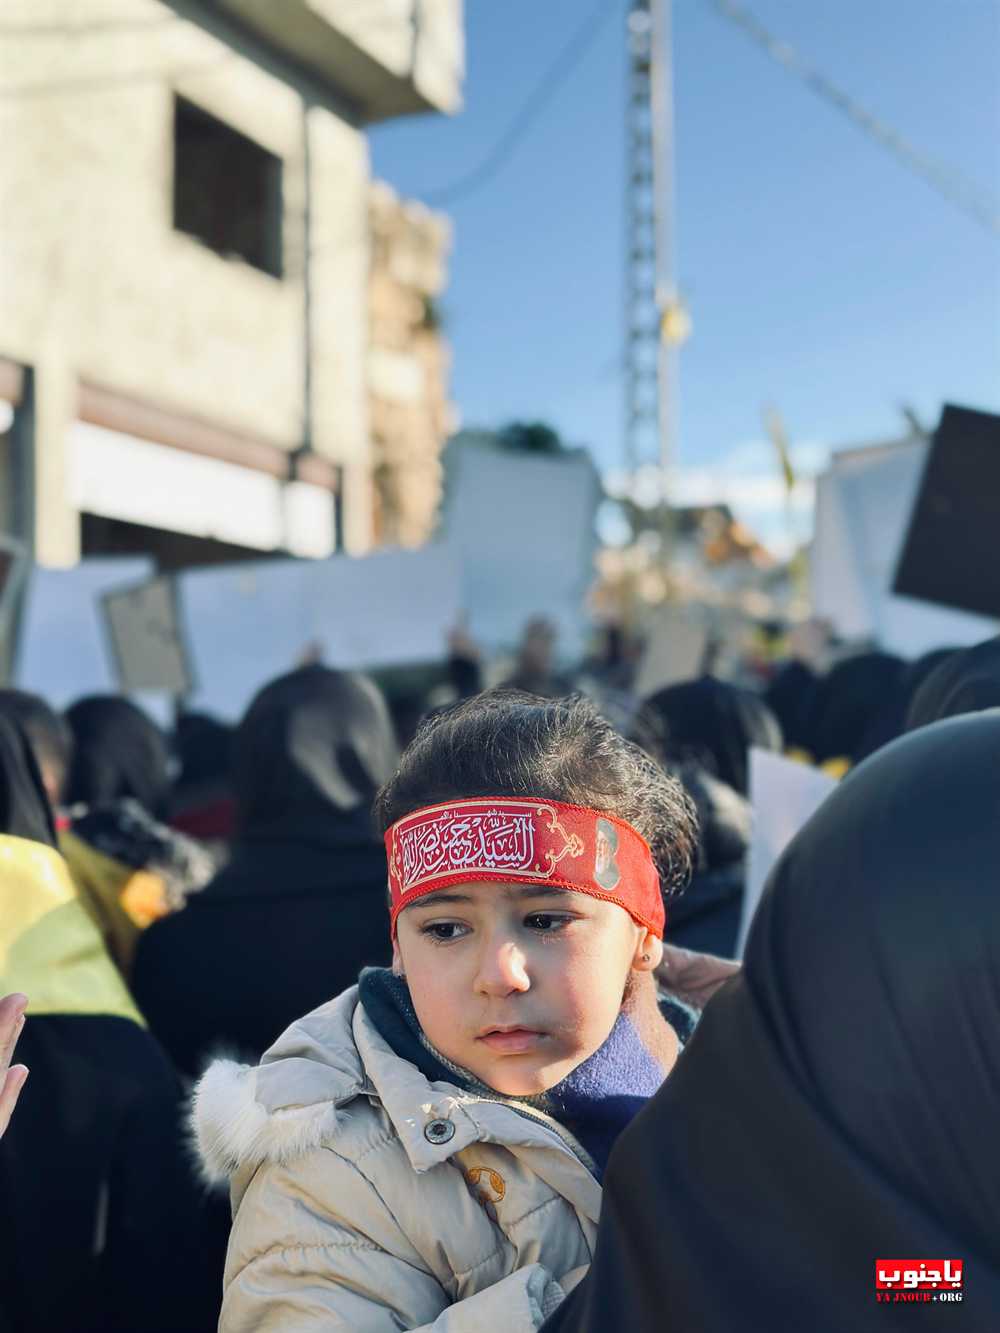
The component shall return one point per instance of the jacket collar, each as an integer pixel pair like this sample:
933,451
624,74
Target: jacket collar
291,1103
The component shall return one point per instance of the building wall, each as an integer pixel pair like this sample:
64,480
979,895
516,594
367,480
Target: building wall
409,365
97,285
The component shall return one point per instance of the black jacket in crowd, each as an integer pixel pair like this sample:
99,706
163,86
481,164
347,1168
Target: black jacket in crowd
301,906
101,1217
837,1105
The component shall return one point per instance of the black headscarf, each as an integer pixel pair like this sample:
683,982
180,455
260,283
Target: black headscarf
712,723
118,752
965,681
24,808
853,700
203,745
310,754
839,1100
792,696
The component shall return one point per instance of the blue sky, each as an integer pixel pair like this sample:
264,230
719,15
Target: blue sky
821,276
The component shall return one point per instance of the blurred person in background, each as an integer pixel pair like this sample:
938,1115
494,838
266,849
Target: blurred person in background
534,672
130,867
49,735
300,908
710,723
966,681
96,1190
838,1101
202,802
854,701
702,730
792,696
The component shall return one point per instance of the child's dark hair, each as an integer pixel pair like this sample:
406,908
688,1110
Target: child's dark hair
506,743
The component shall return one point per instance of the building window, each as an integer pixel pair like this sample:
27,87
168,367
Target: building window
227,189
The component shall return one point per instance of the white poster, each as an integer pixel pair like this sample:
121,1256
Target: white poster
248,623
63,649
522,528
784,795
863,507
674,652
147,642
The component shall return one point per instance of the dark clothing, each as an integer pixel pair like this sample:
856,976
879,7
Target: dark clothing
853,701
313,749
100,1213
792,696
706,916
301,906
965,681
24,808
711,723
283,928
838,1102
96,1192
118,752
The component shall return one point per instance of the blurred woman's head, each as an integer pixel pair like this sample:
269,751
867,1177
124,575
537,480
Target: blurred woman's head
710,723
118,752
311,752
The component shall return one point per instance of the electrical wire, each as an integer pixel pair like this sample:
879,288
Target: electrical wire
538,99
950,183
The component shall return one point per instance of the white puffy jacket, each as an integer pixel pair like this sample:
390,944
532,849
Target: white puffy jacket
367,1198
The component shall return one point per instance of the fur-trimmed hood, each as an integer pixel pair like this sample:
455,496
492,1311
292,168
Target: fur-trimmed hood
287,1105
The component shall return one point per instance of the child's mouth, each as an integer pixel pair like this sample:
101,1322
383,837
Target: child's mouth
511,1041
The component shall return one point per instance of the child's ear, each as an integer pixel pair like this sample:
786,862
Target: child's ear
397,960
648,953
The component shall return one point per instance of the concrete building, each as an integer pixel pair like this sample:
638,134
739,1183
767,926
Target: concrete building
185,267
411,413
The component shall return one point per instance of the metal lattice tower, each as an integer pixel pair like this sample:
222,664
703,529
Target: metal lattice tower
654,321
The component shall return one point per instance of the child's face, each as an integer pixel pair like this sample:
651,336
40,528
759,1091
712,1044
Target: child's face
517,983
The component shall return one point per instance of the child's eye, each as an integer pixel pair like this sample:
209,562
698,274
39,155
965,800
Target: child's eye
443,931
547,922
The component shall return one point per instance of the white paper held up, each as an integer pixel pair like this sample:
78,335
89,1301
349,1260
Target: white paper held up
784,795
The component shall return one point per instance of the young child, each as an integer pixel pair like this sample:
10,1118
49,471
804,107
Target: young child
425,1151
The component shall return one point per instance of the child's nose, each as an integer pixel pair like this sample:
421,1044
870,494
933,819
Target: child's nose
502,969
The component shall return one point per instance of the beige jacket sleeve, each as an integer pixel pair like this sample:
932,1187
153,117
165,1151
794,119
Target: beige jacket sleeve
298,1266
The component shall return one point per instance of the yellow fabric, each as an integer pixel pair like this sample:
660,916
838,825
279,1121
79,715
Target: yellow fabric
50,949
121,901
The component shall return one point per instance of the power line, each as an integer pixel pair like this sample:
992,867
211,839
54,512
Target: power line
551,81
948,181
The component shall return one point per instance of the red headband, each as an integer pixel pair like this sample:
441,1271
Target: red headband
523,842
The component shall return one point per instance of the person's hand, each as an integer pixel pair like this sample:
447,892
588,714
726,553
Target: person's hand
693,977
12,1079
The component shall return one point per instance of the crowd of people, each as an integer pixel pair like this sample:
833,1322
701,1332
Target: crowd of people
448,996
